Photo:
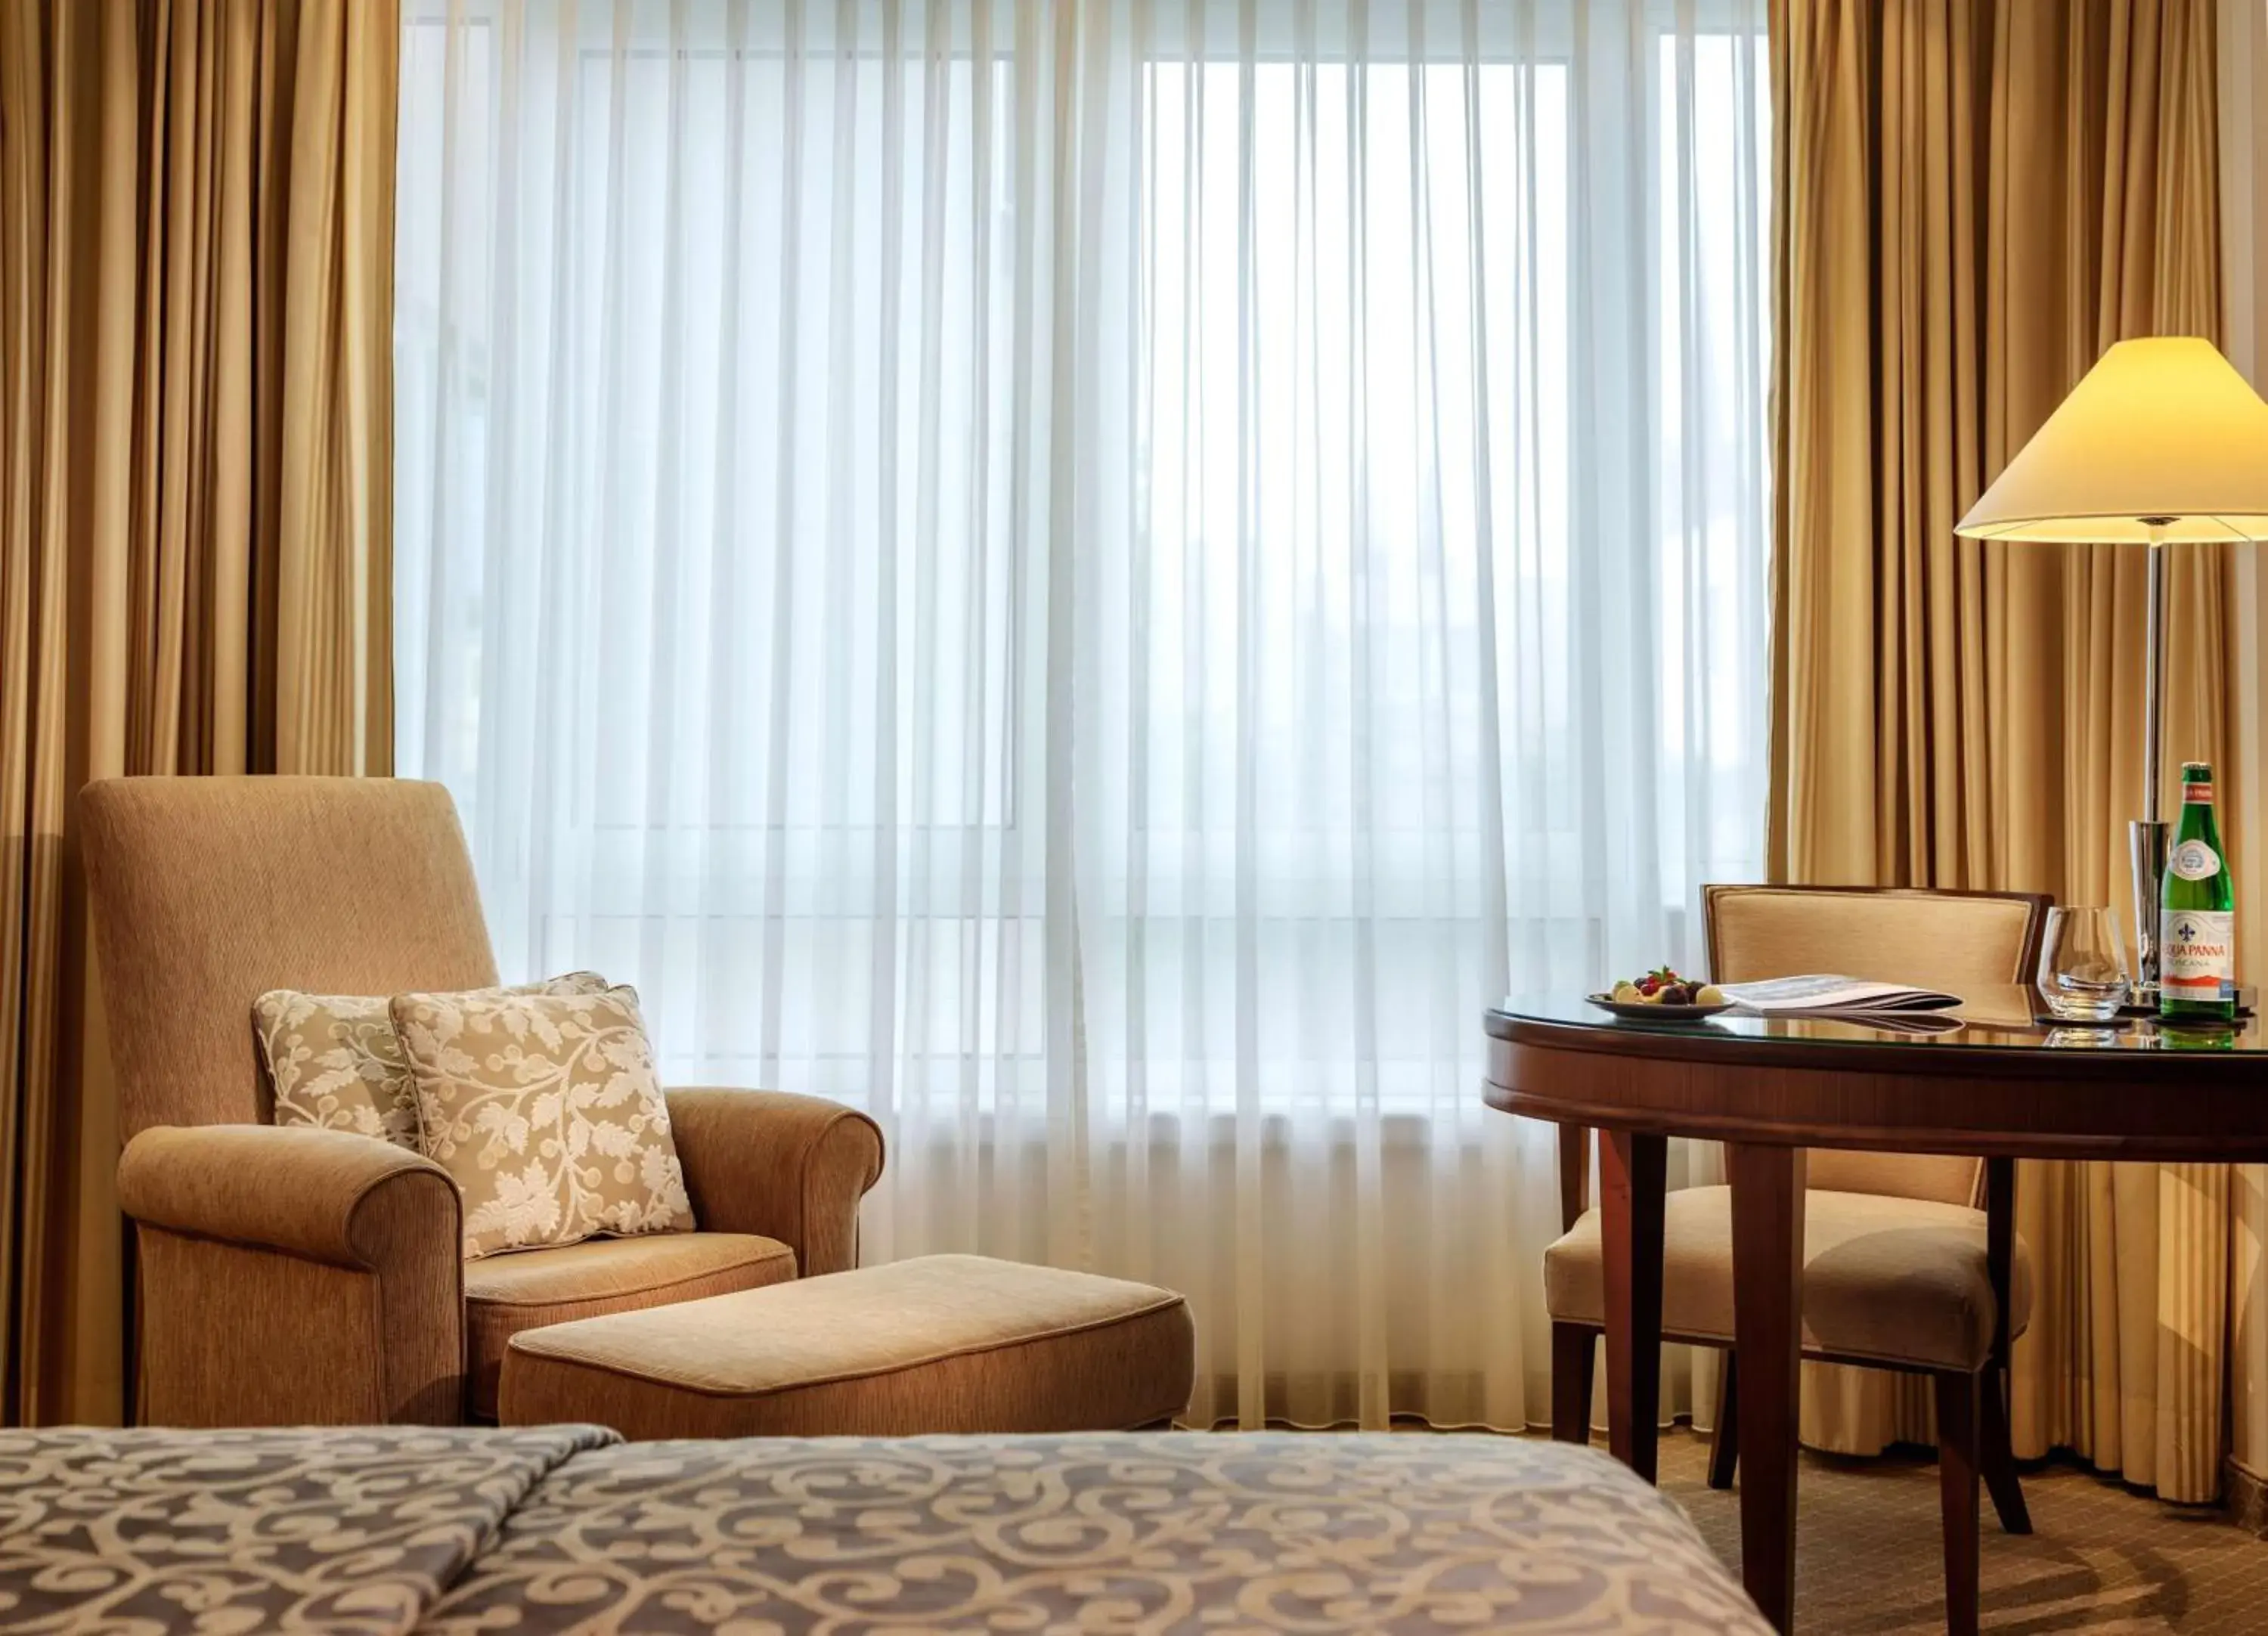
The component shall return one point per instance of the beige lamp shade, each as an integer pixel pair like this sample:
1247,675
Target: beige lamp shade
2163,440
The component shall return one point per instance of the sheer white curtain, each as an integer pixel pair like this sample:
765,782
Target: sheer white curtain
1098,579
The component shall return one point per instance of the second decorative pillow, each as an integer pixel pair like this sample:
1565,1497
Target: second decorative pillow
332,1059
547,1112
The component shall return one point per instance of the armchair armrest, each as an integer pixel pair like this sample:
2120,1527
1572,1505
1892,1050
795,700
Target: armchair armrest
788,1166
319,1194
291,1276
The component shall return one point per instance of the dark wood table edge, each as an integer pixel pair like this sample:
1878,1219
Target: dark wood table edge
1990,1103
1946,1056
2137,1149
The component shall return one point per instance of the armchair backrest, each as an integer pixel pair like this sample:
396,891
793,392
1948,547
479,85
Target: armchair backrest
207,891
1966,943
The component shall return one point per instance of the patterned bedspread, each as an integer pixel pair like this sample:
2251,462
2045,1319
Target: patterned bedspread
564,1529
151,1530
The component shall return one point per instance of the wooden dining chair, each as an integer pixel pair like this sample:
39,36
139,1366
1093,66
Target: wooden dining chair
1911,1261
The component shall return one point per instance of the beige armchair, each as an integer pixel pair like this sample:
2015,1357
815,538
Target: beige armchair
292,1276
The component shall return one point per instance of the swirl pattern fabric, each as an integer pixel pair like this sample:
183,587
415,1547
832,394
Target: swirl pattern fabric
334,1060
564,1529
150,1530
1179,1532
545,1111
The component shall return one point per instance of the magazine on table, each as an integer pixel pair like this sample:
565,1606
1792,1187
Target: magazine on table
1829,996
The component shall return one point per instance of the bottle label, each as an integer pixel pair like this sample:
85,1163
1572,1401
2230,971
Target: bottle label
2194,861
2197,952
2197,791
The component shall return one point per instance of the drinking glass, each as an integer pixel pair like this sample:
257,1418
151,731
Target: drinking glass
2082,974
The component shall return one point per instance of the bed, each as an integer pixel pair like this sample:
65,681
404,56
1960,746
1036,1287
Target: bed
564,1529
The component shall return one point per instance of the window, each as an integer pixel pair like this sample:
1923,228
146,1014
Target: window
767,370
1096,580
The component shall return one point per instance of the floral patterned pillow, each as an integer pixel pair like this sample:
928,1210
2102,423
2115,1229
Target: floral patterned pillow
334,1060
547,1111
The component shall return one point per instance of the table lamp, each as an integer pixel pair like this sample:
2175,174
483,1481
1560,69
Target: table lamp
2162,443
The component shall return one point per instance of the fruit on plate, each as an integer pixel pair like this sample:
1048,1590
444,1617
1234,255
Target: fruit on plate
1662,986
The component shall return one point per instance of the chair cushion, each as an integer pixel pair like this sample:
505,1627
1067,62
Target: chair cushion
938,1343
1885,1279
334,1060
546,1111
1947,1177
504,1294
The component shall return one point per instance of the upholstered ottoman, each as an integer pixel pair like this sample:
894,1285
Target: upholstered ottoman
938,1343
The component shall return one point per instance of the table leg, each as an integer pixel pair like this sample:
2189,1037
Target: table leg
1768,1332
1633,1173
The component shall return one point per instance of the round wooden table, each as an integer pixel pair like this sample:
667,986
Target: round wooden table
1999,1086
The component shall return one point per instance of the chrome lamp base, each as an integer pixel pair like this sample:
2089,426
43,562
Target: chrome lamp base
2146,840
2146,836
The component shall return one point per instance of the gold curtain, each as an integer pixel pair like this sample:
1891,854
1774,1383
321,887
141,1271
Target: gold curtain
1976,198
196,256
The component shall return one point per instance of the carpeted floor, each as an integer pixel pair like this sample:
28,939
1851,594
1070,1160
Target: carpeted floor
2102,1558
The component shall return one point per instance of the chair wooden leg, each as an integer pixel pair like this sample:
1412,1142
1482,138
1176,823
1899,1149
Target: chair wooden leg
1724,1433
1574,1352
1998,1452
1957,1474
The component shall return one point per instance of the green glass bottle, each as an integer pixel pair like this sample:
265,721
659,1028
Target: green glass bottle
2192,1036
2197,931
